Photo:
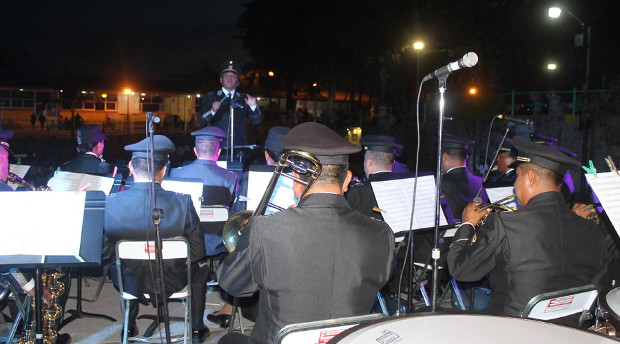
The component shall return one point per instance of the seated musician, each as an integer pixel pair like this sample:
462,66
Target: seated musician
318,260
128,217
220,185
90,147
379,155
541,247
5,135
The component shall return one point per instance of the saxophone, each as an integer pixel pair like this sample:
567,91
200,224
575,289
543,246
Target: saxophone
51,312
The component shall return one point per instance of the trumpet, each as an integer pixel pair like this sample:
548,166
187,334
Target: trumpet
495,206
302,163
498,206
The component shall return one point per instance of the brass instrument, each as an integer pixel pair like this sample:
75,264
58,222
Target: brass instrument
19,180
495,206
498,206
594,215
30,336
302,163
51,312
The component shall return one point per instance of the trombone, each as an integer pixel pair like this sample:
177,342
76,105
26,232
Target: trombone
302,163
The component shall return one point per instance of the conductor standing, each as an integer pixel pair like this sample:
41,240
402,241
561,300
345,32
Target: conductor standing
215,107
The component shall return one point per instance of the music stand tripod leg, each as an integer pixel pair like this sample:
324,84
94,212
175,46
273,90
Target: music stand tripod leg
77,313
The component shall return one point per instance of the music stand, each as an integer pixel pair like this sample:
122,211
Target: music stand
89,234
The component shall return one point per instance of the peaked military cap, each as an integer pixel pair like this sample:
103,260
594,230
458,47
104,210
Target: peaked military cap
542,155
319,140
90,133
209,133
507,147
162,147
381,143
274,139
551,142
451,141
230,66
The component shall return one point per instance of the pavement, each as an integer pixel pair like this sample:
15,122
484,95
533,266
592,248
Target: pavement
88,330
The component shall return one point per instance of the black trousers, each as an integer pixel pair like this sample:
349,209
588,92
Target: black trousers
200,275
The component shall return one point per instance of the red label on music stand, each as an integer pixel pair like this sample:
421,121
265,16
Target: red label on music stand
559,304
326,336
149,248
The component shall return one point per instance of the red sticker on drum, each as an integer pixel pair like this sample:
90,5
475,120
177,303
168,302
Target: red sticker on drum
559,304
326,336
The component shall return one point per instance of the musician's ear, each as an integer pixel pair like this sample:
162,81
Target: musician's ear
347,180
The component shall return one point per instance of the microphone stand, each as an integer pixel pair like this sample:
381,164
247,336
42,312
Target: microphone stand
486,175
160,286
435,253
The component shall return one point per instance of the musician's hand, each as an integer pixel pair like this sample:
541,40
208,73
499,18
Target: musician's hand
215,106
45,297
580,209
473,215
250,100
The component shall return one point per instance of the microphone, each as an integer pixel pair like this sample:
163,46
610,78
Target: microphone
468,60
153,117
514,119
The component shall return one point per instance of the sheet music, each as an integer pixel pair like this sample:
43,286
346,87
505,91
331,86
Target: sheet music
282,196
194,189
54,229
70,181
496,194
20,171
395,197
606,186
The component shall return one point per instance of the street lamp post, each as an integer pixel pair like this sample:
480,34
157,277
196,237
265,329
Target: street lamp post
584,120
418,46
127,92
551,67
556,12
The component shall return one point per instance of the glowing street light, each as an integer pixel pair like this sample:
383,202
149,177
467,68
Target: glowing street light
127,92
473,91
271,73
418,46
552,66
555,12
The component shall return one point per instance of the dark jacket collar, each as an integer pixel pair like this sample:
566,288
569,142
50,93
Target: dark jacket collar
324,198
143,186
551,196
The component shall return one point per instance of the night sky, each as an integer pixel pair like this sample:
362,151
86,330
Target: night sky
185,41
157,40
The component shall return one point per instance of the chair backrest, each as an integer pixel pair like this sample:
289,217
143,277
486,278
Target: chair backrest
213,213
561,303
320,331
172,248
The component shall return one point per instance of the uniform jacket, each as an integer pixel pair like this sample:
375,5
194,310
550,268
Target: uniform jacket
220,184
460,187
87,163
361,197
221,119
128,216
220,188
539,248
316,261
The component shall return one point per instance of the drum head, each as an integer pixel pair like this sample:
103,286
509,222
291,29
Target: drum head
610,301
465,329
